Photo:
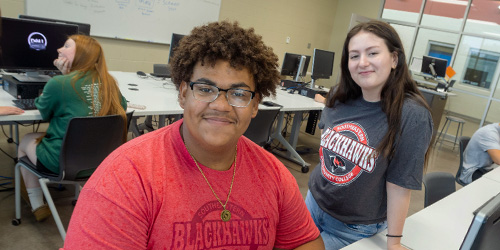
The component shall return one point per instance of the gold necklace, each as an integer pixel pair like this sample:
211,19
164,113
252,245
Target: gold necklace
225,214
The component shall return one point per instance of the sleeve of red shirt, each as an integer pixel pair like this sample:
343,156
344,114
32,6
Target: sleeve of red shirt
117,220
295,227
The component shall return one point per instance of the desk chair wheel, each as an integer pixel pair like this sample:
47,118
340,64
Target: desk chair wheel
16,222
305,169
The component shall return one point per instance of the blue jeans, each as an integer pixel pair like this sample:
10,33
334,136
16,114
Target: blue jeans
337,234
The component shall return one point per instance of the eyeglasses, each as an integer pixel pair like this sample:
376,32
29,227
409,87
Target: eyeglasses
208,93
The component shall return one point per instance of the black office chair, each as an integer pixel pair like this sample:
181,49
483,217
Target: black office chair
437,186
88,140
463,141
260,127
130,116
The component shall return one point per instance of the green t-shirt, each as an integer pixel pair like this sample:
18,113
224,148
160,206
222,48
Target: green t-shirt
59,103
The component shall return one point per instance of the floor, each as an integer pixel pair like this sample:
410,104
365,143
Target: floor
44,235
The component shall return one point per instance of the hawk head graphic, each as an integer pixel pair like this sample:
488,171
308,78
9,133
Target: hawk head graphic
336,162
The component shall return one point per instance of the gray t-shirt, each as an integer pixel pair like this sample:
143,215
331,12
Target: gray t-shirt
350,185
475,154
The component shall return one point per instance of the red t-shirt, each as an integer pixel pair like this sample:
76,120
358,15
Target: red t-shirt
149,194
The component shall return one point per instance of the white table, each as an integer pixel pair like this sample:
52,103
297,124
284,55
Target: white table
297,104
161,98
493,174
444,224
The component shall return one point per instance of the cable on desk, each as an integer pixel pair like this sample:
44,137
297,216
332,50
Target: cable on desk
9,139
13,158
3,186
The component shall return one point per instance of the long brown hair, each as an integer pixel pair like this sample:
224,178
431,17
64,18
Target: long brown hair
89,61
398,86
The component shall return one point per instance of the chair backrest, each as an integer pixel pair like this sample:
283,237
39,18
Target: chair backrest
88,140
130,114
463,141
260,127
437,186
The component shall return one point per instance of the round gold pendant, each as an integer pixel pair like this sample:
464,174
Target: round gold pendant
225,215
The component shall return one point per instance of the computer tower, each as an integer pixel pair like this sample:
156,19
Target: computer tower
312,121
22,90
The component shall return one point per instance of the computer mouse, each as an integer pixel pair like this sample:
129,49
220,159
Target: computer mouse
140,73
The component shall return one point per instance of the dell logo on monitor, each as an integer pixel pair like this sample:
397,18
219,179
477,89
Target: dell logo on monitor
37,41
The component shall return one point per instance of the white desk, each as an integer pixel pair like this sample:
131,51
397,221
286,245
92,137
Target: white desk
297,104
161,98
444,224
493,174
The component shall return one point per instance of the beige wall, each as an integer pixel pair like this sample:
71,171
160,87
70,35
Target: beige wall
345,8
320,23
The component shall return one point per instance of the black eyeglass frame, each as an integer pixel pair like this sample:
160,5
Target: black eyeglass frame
191,84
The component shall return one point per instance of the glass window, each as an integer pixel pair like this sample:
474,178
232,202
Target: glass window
484,18
441,50
405,11
476,62
434,43
444,14
480,64
496,93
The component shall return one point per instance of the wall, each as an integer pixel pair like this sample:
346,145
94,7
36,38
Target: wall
305,22
344,10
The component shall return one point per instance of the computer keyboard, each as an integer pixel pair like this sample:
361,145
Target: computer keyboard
25,104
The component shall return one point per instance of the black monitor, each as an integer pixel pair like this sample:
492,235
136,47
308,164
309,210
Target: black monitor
31,46
176,38
292,63
322,66
434,66
475,77
83,28
484,231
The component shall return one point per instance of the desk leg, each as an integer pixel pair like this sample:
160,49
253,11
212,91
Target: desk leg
10,130
16,138
133,127
291,154
294,133
161,121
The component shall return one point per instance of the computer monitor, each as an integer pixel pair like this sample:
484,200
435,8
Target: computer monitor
322,65
83,28
176,38
484,231
475,77
31,46
292,64
434,66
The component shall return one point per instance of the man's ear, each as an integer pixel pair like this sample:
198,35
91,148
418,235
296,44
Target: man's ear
255,105
183,89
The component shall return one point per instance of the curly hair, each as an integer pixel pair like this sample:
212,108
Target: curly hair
242,48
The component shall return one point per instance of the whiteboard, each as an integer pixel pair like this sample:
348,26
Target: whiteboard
139,20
